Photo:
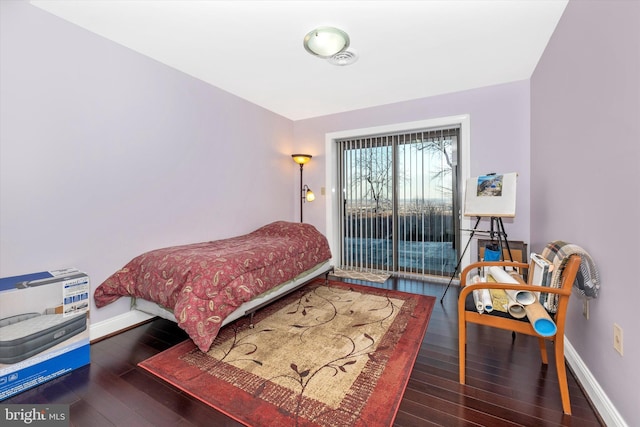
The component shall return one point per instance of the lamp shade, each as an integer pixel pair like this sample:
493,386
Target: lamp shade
326,41
310,196
301,159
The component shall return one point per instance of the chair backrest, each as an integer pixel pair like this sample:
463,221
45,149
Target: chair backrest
568,276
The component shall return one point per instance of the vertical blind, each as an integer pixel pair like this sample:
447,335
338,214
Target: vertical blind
399,193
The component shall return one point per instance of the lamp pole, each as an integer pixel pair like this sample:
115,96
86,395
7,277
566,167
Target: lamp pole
301,159
301,191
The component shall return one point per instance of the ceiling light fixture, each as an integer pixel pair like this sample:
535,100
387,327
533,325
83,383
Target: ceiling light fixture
326,41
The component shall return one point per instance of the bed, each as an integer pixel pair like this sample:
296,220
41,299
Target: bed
203,286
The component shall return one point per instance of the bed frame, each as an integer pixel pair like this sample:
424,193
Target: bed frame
249,307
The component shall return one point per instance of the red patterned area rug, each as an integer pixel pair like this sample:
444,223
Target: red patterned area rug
337,355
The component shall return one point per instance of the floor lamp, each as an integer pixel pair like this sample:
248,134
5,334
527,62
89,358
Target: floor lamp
305,192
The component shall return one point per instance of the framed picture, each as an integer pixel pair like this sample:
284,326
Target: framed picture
491,195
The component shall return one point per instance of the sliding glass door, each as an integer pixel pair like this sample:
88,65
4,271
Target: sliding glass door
397,202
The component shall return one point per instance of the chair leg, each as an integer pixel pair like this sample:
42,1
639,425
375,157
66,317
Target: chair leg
543,350
562,374
462,348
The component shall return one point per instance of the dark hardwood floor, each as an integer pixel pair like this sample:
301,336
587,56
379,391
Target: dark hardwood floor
506,383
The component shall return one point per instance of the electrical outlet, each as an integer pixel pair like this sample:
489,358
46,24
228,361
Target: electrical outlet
617,338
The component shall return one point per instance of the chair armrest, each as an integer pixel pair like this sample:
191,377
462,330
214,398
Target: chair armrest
511,286
477,265
464,292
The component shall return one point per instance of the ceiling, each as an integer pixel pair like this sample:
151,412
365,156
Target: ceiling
253,49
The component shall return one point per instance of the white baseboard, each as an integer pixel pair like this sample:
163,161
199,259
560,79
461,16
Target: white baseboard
117,323
596,394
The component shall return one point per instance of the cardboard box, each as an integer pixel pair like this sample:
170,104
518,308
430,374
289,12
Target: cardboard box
44,328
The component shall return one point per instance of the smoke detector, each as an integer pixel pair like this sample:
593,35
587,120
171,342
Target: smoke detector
345,57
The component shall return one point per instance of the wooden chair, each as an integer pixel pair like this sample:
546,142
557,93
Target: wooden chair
468,314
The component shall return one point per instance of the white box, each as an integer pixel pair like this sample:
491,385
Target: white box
44,328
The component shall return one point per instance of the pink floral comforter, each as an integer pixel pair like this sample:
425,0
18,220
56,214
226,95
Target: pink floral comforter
204,282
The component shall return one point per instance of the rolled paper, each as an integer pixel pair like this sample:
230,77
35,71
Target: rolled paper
500,275
487,303
540,320
477,299
514,308
520,297
499,299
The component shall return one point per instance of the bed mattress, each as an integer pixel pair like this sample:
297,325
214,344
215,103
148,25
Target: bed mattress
248,307
28,334
203,283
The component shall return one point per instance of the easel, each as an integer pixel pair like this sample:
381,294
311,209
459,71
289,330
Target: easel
496,229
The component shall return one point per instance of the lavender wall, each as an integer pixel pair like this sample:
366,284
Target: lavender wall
499,117
106,153
585,157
